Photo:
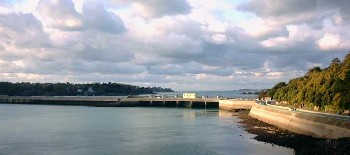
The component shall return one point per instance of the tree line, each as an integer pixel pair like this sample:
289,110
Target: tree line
325,88
70,89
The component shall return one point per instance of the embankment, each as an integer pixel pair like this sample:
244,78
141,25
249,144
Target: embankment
110,101
301,144
312,124
231,104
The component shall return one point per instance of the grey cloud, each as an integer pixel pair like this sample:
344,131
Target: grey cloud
105,68
246,61
2,46
185,68
22,30
280,31
248,54
302,60
213,54
127,79
97,46
97,17
71,66
185,27
343,8
9,67
277,8
109,54
243,53
298,56
166,69
238,53
159,8
175,45
297,11
62,15
165,7
281,59
182,55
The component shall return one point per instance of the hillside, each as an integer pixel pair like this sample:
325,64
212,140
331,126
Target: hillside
327,88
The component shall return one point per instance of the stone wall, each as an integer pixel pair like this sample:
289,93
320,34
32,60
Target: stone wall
312,124
231,104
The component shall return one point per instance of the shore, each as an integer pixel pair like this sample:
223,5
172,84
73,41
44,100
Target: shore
300,143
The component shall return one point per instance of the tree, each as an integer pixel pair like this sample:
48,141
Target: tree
273,90
321,87
68,89
315,69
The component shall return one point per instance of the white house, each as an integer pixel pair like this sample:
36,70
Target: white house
189,95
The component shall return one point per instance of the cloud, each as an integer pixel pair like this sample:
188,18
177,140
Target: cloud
329,41
193,44
219,38
332,41
176,46
97,17
159,8
62,15
22,30
297,11
260,29
280,9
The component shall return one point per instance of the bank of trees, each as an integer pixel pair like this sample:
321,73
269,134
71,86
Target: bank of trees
325,88
69,89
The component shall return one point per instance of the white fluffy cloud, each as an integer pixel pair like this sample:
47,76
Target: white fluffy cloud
332,41
62,14
184,44
329,41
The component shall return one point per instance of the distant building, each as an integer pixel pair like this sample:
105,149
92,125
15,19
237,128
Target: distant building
189,95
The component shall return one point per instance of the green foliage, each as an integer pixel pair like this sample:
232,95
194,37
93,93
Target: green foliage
273,90
329,87
68,89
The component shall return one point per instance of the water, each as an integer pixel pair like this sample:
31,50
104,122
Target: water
226,94
44,129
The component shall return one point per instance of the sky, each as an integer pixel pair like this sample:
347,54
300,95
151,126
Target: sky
181,44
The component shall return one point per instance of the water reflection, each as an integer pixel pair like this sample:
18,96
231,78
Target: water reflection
225,114
189,116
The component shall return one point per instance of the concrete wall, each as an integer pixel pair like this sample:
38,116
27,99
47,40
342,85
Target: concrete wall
311,124
231,104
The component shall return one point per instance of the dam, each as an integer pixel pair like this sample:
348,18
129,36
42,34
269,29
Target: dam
109,101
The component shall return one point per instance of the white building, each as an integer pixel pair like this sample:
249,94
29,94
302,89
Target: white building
189,95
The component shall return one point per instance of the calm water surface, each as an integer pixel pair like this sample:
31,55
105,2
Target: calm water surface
42,129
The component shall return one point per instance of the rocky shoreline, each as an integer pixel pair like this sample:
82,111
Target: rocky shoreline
300,143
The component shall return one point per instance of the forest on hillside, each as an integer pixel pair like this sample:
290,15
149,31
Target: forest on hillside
69,89
327,88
